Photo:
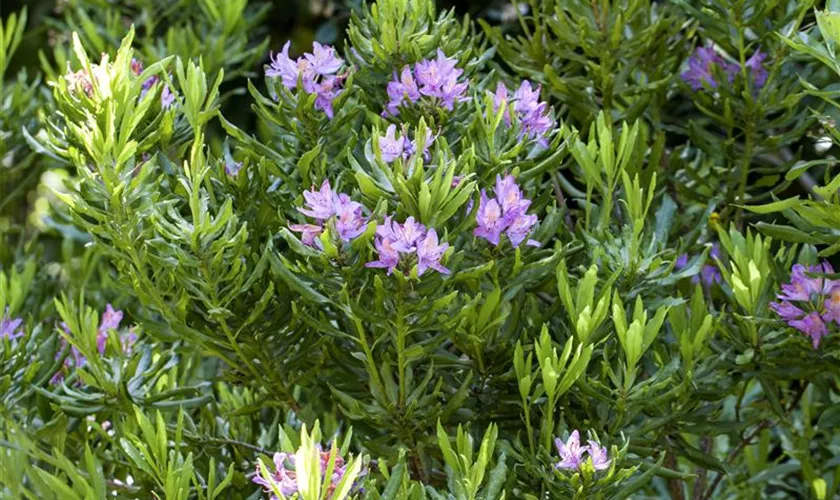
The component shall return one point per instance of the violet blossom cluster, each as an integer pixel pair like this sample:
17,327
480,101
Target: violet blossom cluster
284,476
408,242
392,146
525,106
434,78
10,328
111,319
232,168
702,62
710,273
326,205
810,303
506,213
316,71
167,97
572,453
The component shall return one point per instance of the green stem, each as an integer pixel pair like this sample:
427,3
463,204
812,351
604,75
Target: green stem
371,364
527,409
401,337
745,168
549,422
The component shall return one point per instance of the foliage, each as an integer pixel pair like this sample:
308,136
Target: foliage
566,257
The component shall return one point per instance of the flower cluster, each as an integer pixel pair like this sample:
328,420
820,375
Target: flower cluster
10,328
111,319
531,113
167,97
392,146
316,71
408,241
284,476
232,168
808,303
437,79
702,62
710,273
571,453
505,214
325,205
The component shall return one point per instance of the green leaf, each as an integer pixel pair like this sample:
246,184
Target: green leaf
776,206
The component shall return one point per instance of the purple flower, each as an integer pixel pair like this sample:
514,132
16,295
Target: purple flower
324,204
410,240
805,288
701,66
284,67
754,64
500,98
434,78
232,168
316,71
128,340
310,235
510,196
388,257
811,325
401,89
520,227
136,66
532,114
167,97
832,306
571,453
10,327
709,273
434,75
349,222
321,203
390,146
408,234
75,359
323,59
429,254
327,91
110,321
505,213
787,311
147,85
284,479
284,476
419,144
452,92
598,454
489,219
808,303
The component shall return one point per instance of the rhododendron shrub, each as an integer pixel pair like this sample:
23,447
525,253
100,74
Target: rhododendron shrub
578,250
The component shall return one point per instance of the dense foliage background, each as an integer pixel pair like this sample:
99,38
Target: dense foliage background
477,250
